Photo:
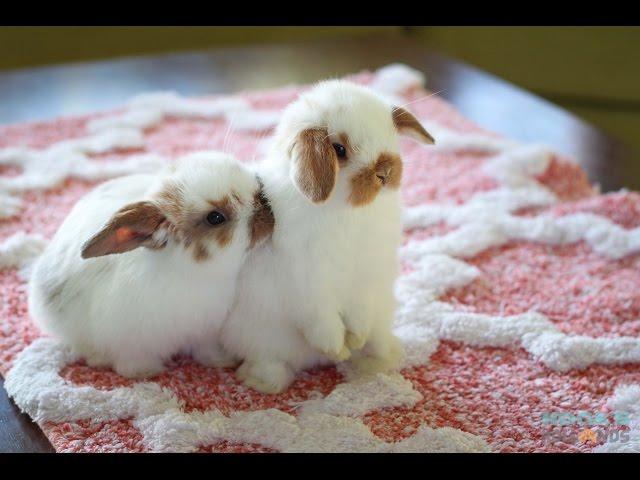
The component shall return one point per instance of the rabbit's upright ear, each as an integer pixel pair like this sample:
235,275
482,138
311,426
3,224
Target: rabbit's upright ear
409,125
314,164
131,227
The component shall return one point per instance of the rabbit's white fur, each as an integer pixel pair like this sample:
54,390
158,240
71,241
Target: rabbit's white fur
323,285
134,310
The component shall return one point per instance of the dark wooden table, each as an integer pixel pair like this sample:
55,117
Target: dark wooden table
48,92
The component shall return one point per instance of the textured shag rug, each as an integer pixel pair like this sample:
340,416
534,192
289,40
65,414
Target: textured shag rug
519,302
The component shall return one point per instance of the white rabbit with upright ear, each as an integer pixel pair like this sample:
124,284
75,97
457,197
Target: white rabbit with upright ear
145,266
323,285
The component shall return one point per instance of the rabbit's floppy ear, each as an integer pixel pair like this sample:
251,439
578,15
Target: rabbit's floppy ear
409,125
129,228
314,166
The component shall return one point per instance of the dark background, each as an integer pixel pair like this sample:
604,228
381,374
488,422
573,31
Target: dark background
593,72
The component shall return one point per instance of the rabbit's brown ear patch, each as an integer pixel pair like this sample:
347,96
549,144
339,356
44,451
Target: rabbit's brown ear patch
262,221
407,124
131,227
315,164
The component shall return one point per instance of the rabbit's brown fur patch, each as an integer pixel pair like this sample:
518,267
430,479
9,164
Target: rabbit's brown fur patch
262,222
365,185
190,227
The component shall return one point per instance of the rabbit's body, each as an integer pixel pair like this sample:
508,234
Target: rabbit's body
323,285
301,281
136,309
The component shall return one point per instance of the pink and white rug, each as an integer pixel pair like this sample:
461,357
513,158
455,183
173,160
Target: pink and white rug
520,300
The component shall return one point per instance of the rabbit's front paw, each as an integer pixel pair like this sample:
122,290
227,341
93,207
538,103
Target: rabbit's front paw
386,353
266,377
263,386
355,341
341,356
329,338
358,326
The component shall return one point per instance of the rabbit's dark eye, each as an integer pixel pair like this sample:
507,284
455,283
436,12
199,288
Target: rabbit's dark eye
216,218
340,150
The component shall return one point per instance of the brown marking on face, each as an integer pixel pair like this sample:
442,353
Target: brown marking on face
223,233
407,124
190,227
200,252
129,228
315,164
198,233
365,185
262,221
388,170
